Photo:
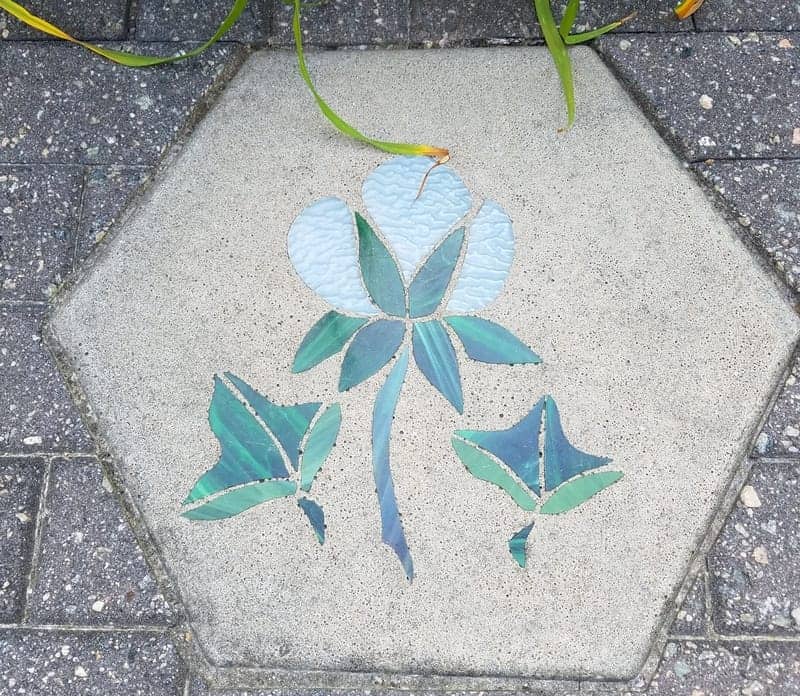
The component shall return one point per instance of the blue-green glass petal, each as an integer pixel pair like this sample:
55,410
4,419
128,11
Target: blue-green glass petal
578,490
327,337
319,444
315,516
517,544
429,285
240,499
379,271
287,423
562,461
517,447
488,342
436,358
372,347
385,403
248,452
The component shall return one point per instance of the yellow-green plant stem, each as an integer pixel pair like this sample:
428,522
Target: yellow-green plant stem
558,51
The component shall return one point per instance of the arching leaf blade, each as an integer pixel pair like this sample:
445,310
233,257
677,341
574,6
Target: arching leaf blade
319,444
380,273
373,347
326,338
431,281
436,358
240,499
485,341
579,490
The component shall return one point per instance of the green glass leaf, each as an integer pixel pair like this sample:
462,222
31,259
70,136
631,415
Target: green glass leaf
517,544
429,285
240,499
488,342
327,337
319,444
484,467
287,423
315,516
248,451
579,490
379,271
436,358
372,347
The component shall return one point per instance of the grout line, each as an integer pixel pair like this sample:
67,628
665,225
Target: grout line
708,604
38,532
69,628
79,219
40,455
743,638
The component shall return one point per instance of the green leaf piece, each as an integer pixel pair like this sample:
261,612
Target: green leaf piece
488,342
569,17
436,358
315,516
372,347
287,423
558,52
579,490
517,544
319,444
326,338
430,284
484,467
248,451
379,271
240,499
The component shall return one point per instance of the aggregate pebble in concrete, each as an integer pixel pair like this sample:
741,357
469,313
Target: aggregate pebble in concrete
38,217
88,664
108,191
749,15
106,20
700,89
189,20
781,434
699,668
344,23
20,485
37,412
91,570
754,573
765,197
59,104
692,618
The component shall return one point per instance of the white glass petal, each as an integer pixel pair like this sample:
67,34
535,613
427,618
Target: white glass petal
324,252
490,251
413,226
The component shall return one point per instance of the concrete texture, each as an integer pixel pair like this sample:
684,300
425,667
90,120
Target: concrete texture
606,286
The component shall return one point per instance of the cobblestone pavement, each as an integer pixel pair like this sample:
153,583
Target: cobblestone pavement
79,611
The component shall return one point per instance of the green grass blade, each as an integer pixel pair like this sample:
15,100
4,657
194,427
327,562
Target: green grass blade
594,33
568,20
558,51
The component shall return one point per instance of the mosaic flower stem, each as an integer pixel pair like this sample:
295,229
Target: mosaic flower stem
392,532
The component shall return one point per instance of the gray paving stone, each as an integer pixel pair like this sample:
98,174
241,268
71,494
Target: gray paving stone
752,82
20,485
344,23
699,668
749,15
765,195
781,434
755,577
103,19
37,413
91,570
38,218
692,618
108,191
189,20
34,663
59,103
450,22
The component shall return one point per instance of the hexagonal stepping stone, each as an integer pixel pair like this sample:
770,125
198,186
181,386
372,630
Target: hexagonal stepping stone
546,357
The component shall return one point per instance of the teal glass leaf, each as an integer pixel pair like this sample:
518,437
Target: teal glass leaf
392,532
327,337
319,444
562,461
248,452
315,516
488,342
287,423
436,358
579,490
517,544
240,499
429,285
517,447
372,347
379,271
485,468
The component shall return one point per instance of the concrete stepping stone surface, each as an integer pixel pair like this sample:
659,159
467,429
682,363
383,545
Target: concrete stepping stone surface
548,357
